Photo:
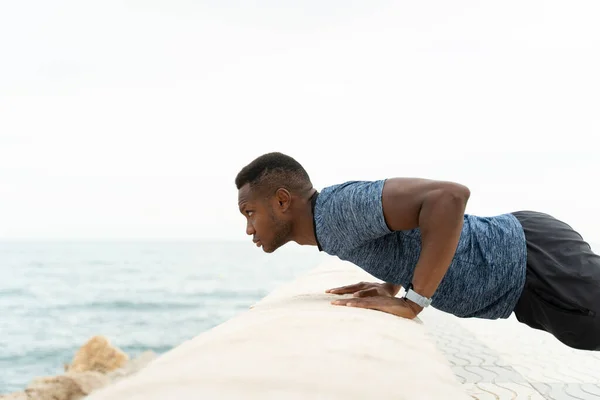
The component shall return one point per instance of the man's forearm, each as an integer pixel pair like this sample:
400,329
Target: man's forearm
440,222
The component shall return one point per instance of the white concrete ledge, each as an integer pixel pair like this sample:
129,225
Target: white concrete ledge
294,344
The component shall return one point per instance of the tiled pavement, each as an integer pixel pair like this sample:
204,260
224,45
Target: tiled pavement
505,359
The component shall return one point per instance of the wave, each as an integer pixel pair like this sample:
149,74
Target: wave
127,305
226,294
39,355
14,292
135,349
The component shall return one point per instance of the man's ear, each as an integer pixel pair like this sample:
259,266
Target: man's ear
283,198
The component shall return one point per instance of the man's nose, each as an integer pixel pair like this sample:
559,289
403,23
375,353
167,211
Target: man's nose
250,229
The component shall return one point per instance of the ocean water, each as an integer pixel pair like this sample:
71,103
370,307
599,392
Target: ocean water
142,296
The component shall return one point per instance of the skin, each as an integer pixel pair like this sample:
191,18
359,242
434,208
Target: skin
435,207
276,220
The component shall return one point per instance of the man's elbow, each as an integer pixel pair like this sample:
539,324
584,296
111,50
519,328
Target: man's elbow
461,192
454,193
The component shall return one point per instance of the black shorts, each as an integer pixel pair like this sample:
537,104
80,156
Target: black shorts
562,289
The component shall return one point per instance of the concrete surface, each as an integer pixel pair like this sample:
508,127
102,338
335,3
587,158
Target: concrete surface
505,359
294,344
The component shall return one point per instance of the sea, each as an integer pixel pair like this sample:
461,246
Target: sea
143,296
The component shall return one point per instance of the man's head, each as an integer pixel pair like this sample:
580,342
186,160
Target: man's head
268,192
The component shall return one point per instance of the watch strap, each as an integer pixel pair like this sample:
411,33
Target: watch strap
416,297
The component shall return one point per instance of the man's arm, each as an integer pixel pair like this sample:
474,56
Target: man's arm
437,209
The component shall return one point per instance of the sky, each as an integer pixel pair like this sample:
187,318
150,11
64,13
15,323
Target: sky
130,119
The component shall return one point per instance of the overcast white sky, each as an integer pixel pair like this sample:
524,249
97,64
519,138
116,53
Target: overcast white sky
130,119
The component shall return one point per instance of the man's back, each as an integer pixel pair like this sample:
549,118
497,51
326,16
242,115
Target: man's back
486,275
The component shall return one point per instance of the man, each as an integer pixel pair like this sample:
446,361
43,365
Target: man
414,233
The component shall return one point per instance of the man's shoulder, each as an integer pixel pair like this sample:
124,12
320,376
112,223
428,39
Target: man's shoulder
353,188
350,197
349,214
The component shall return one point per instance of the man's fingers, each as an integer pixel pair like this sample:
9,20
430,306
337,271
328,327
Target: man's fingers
366,293
374,303
386,304
344,302
346,289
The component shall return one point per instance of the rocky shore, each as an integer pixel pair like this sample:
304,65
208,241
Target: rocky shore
95,365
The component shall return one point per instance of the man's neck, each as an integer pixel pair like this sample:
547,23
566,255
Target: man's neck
304,226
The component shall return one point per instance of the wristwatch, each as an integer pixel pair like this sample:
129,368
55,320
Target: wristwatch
416,297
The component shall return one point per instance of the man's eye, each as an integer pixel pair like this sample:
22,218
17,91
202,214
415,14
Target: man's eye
249,213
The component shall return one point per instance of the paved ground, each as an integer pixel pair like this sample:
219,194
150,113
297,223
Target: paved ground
505,359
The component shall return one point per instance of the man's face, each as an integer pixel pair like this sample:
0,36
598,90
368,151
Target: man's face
264,220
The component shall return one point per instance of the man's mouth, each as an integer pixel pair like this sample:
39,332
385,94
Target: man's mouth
258,244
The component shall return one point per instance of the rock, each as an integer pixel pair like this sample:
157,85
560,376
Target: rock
132,366
14,396
98,355
95,365
70,386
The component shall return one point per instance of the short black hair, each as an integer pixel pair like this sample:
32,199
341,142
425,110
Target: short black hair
272,171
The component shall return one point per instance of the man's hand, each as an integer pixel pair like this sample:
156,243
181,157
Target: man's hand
391,305
367,289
